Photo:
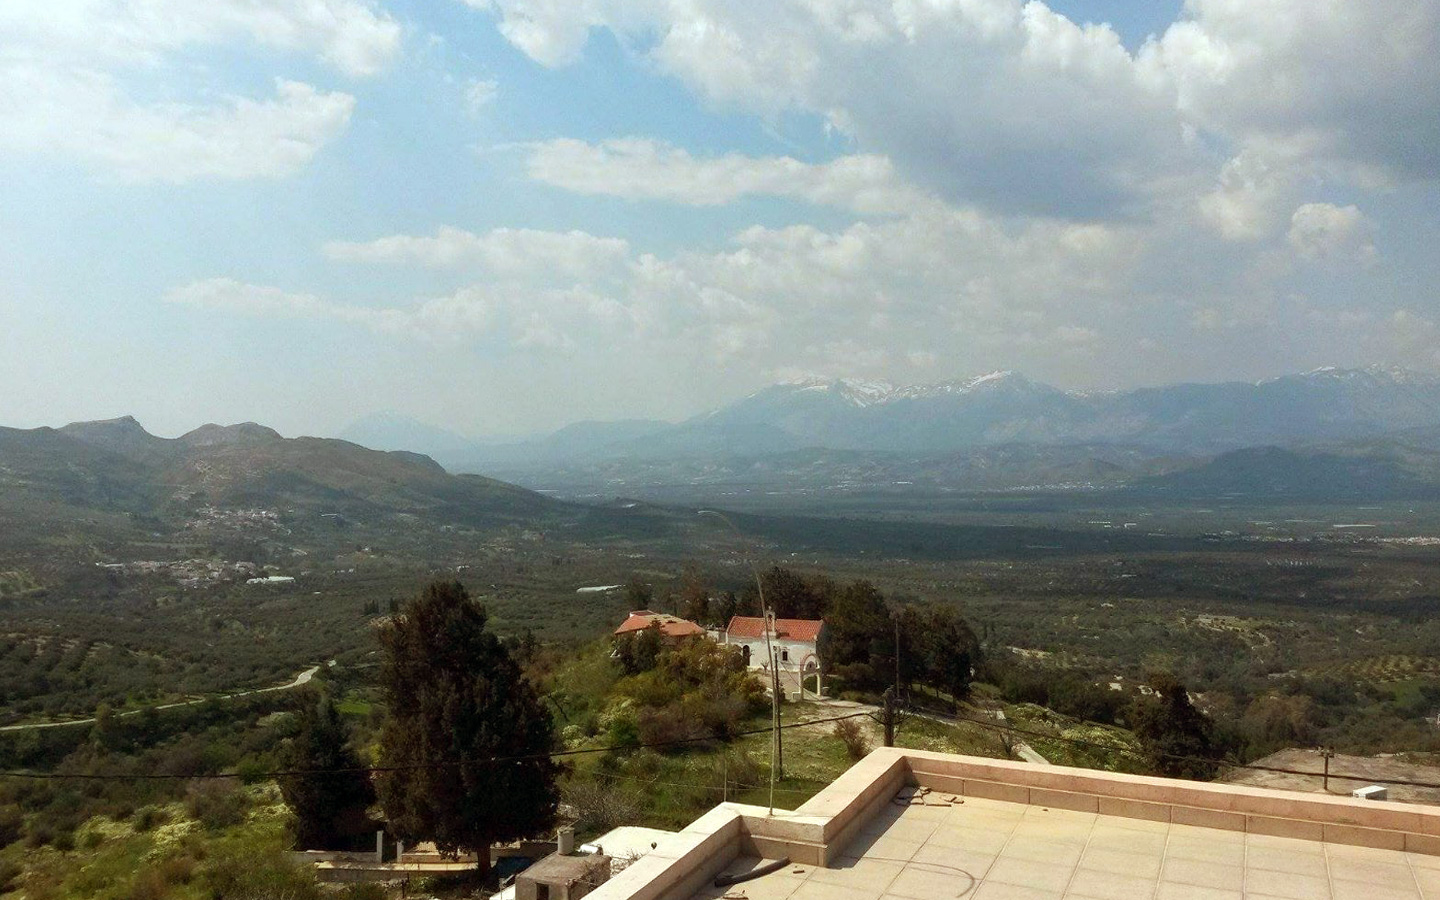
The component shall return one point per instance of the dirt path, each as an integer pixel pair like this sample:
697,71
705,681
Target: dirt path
301,679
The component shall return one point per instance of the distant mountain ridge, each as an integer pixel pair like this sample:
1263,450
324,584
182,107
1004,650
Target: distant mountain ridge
1006,408
116,465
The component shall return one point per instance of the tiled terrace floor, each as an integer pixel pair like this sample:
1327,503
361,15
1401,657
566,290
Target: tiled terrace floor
990,850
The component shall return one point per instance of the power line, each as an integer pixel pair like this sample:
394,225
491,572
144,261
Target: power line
732,785
493,760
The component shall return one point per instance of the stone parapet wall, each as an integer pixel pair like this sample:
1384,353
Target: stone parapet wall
817,832
1338,820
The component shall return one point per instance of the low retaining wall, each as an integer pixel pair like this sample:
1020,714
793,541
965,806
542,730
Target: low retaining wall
1337,820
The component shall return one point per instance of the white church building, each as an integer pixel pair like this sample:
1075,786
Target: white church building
796,642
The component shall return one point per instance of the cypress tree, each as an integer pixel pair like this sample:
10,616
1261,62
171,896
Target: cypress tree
456,701
330,810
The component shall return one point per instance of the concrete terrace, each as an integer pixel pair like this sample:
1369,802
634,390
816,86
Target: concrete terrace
917,825
994,850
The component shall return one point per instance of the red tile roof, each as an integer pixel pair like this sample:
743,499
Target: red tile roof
670,626
807,630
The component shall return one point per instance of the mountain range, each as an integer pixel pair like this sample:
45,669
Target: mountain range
119,467
992,430
1371,432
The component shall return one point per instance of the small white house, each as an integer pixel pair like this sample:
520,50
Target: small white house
796,642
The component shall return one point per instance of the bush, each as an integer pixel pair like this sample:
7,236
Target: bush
215,803
363,891
150,884
852,735
10,873
12,825
148,818
668,725
623,731
737,768
600,807
240,874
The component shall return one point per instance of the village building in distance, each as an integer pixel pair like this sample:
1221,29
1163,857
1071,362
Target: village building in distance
795,642
672,628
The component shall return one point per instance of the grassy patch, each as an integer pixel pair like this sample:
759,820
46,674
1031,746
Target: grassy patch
1069,742
179,860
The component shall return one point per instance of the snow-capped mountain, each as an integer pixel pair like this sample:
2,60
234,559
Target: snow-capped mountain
1006,408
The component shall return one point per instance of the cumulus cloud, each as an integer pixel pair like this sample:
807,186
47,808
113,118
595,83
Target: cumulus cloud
1010,105
1323,231
72,73
933,87
1331,84
933,282
641,169
1302,93
503,251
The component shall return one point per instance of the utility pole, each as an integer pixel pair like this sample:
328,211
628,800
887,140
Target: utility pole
889,717
775,706
776,750
896,616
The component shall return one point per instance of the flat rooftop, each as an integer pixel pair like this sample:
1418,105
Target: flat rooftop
920,825
929,848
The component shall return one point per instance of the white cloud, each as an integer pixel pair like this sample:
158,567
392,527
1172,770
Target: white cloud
85,116
229,295
72,73
458,316
640,169
1323,231
935,87
931,282
503,251
1012,106
1344,88
351,35
1415,338
541,318
479,94
258,301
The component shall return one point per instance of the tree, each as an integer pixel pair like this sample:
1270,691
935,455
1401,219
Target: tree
792,595
694,597
1179,739
104,733
330,810
638,650
638,594
946,647
457,706
725,607
860,644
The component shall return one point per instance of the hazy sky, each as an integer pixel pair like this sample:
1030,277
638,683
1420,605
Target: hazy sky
505,215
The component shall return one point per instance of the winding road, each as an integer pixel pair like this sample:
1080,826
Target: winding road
301,679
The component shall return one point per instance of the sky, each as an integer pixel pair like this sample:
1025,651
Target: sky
502,216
